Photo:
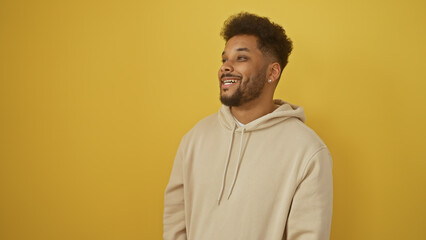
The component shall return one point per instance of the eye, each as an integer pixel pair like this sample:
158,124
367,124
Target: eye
224,60
242,58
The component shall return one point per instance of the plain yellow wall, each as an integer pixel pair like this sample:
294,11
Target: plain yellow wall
95,96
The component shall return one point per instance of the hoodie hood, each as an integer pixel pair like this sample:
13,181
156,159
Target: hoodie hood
283,112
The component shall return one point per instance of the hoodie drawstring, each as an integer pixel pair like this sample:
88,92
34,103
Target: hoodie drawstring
227,163
238,164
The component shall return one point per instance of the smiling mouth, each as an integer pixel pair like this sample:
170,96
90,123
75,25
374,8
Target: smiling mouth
228,79
228,82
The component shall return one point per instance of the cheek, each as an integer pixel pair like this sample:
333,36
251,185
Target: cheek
244,70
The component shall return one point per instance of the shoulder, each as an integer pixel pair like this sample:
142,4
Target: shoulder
309,146
300,134
303,140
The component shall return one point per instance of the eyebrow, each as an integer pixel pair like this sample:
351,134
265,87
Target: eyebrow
243,49
239,50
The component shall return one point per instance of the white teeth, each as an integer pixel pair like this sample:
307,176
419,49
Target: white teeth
226,82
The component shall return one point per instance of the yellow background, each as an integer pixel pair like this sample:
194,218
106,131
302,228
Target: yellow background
95,96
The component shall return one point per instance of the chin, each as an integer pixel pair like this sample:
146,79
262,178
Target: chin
230,101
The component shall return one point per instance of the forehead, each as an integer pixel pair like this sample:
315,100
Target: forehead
248,42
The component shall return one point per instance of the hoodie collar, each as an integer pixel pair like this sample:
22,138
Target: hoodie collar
284,111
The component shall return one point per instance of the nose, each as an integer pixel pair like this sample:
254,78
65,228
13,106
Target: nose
226,67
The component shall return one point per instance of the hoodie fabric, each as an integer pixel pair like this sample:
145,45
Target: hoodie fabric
267,180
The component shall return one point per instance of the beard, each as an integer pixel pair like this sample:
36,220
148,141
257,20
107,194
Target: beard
246,91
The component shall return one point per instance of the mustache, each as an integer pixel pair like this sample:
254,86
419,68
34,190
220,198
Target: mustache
229,75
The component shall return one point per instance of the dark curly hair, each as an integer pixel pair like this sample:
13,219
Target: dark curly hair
272,39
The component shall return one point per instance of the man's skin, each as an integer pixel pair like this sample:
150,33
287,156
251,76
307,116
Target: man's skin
252,71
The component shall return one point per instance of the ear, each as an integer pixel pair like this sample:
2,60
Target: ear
274,72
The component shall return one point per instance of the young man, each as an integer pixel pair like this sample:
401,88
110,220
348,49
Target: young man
253,170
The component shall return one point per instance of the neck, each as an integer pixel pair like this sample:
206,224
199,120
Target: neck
253,110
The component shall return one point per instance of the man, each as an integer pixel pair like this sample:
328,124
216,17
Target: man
253,170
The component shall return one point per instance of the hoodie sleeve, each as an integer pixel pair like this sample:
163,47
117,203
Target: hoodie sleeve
311,209
174,204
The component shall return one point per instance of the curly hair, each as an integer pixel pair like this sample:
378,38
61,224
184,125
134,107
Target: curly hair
272,39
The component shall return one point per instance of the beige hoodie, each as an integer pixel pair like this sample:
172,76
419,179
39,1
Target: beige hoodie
268,180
